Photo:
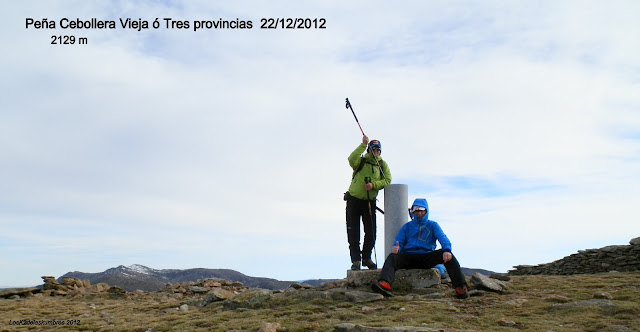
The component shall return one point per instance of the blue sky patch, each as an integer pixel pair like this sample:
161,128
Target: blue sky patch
500,186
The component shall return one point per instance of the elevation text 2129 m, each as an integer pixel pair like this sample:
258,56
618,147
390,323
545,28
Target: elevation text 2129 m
68,40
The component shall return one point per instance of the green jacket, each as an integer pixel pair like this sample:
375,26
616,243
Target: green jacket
370,169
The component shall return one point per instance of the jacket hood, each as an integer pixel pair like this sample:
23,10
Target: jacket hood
423,203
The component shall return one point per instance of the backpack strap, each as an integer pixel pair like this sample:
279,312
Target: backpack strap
360,165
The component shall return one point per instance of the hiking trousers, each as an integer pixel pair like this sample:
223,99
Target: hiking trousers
395,262
359,209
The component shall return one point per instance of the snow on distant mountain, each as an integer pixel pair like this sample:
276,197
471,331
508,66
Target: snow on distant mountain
141,269
140,277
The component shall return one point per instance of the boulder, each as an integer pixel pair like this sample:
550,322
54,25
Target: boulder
483,282
198,289
362,297
406,280
251,299
72,283
116,292
100,287
9,292
51,283
217,294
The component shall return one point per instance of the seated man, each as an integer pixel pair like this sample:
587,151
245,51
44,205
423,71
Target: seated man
415,249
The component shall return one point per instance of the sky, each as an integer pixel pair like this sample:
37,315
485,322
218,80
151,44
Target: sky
172,148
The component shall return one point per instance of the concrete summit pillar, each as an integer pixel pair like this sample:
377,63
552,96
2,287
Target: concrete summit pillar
395,213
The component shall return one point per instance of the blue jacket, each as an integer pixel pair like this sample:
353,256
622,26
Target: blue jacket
419,236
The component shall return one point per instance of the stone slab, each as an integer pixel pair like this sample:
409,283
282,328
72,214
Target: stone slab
405,279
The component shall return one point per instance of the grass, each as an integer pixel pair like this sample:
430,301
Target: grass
534,303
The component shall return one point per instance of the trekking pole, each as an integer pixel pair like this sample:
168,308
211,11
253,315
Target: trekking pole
354,115
358,122
375,233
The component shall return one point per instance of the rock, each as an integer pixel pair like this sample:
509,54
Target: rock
405,279
500,276
270,327
362,277
223,294
622,258
100,287
482,281
602,295
509,323
416,278
211,282
252,299
348,327
184,308
72,282
116,291
343,327
51,283
362,297
310,294
18,291
217,294
198,289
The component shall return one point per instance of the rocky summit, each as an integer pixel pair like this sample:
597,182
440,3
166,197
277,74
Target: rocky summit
620,258
422,301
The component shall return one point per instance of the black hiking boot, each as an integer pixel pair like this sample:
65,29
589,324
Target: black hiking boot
355,266
369,264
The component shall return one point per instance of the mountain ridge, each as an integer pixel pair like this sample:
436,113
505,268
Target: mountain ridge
140,277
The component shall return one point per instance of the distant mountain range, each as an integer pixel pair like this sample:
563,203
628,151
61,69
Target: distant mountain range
140,277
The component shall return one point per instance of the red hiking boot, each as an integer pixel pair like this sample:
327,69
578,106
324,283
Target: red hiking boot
462,293
382,287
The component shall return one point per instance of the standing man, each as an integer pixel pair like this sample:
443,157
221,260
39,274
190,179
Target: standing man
370,174
415,248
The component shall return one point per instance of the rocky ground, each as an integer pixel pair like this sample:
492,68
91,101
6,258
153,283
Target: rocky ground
595,302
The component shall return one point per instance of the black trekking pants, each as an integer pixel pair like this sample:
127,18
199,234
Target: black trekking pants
356,209
395,262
